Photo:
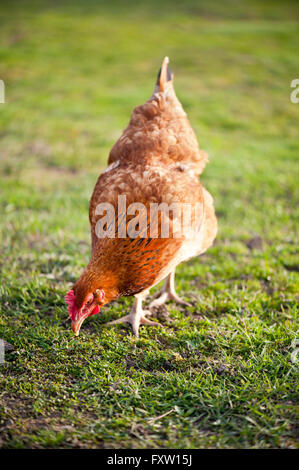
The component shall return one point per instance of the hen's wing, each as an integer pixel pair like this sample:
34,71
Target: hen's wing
140,261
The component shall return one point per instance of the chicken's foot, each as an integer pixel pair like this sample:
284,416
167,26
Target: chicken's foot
168,293
137,316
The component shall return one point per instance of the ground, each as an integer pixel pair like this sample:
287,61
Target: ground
222,369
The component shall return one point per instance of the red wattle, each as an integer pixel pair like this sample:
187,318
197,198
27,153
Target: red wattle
95,310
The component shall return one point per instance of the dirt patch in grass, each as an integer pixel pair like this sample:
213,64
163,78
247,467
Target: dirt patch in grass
162,314
255,243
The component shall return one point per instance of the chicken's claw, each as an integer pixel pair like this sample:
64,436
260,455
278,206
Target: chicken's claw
125,319
165,296
135,322
136,317
168,293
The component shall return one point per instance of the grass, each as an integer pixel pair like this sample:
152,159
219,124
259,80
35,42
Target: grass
73,72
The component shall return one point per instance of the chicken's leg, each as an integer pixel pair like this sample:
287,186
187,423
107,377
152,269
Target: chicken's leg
137,315
168,293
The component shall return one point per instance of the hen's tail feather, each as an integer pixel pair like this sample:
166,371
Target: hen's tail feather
164,75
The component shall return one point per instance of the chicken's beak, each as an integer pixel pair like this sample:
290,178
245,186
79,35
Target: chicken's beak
76,325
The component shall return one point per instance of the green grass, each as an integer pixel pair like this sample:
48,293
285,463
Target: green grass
73,72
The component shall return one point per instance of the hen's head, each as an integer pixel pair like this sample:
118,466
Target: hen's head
80,307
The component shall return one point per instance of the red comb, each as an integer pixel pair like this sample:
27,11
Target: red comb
70,300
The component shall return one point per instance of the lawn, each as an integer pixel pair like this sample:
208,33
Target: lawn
221,370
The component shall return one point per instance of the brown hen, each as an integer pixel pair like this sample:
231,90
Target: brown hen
139,228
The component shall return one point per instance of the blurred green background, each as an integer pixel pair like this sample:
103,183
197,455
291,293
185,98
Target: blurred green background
73,72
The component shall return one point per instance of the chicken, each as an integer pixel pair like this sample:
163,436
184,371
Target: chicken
148,212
